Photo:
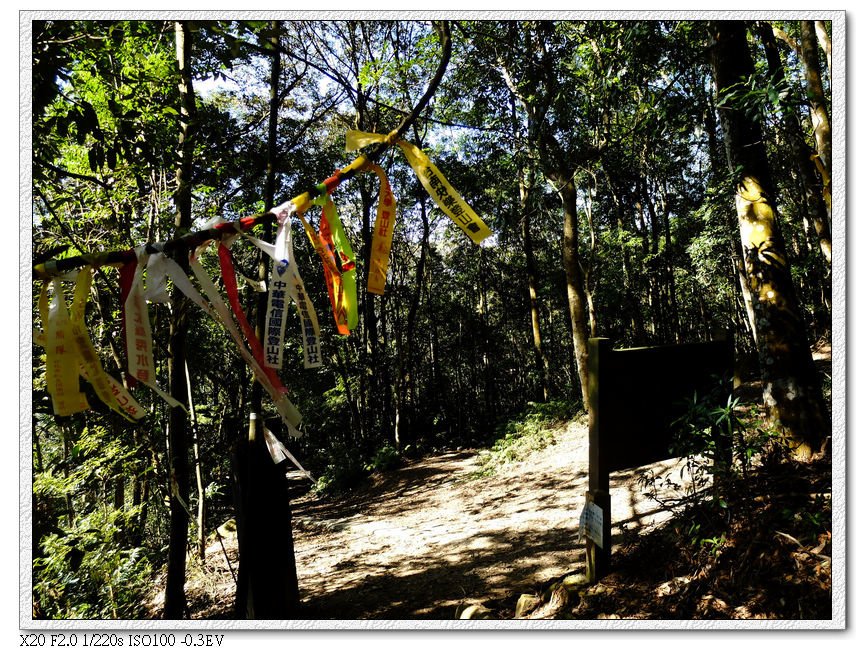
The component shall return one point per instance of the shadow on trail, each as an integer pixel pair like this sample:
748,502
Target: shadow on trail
413,480
508,538
432,587
499,548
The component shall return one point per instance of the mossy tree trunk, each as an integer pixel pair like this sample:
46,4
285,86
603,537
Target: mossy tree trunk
791,390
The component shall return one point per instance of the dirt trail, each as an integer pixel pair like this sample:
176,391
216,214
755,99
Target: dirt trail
431,535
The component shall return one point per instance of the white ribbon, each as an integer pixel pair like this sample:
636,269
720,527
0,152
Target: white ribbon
221,314
285,280
278,451
156,279
139,339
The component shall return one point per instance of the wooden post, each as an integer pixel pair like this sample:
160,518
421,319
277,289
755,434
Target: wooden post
598,557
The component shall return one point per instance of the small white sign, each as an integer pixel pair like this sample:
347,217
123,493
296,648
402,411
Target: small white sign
592,523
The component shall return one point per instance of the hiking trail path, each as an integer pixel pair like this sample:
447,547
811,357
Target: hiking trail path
420,541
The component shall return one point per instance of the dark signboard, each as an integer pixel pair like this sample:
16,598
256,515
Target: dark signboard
636,397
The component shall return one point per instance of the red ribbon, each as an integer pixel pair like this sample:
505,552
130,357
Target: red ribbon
331,279
229,277
333,182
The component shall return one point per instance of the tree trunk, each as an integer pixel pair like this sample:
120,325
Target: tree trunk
588,279
717,166
674,325
266,589
811,183
178,437
659,321
791,390
576,284
632,304
490,393
825,45
66,432
408,423
819,112
542,364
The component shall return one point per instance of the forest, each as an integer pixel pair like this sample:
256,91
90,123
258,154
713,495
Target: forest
461,207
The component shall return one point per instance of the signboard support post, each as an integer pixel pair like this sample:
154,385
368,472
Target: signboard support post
598,556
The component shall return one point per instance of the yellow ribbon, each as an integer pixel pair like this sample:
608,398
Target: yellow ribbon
61,367
110,391
382,236
445,196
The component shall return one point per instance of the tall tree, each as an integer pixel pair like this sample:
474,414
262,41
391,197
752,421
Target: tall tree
542,362
791,391
819,111
178,433
539,89
816,208
265,590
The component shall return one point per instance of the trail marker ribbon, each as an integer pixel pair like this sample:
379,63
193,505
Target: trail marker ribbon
445,196
61,368
139,339
66,363
342,286
382,235
109,390
285,280
341,282
70,353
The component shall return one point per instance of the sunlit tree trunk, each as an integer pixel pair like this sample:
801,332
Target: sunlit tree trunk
812,186
542,364
575,282
819,112
825,45
588,209
791,390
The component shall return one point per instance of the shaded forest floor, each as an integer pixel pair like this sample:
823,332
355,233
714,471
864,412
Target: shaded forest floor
440,534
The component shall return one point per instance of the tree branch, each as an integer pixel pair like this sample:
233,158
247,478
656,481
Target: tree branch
194,239
68,174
